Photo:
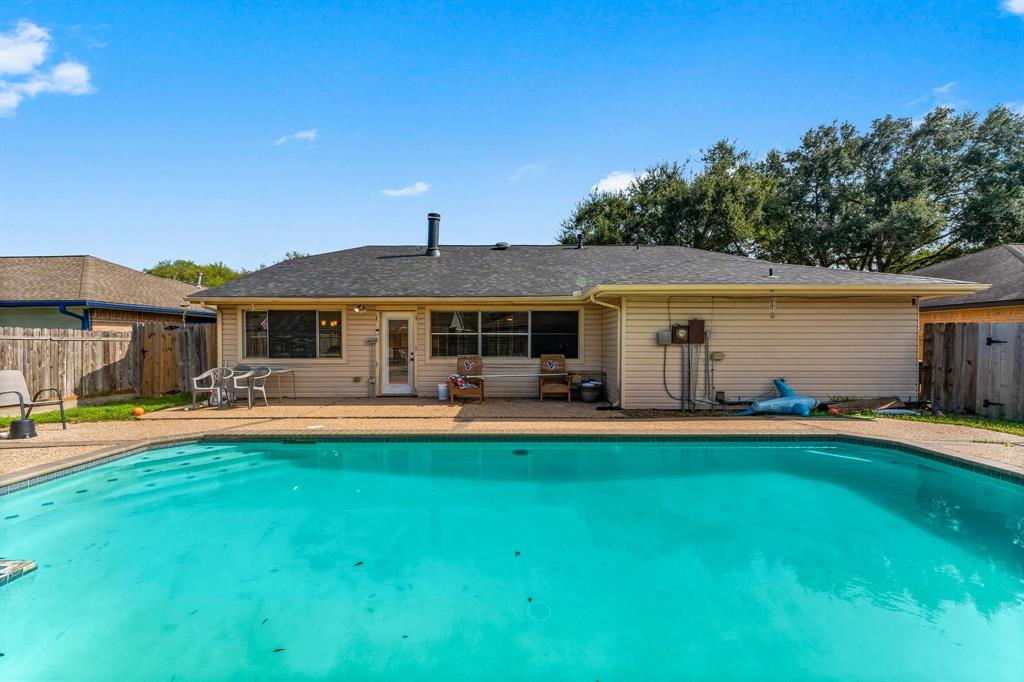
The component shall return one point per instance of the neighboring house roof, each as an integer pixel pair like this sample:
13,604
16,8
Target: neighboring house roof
1002,267
530,271
87,280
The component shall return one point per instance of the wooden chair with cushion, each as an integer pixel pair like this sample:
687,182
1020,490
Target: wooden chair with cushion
553,377
468,365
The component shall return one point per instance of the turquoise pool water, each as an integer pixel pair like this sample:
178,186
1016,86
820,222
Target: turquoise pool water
516,561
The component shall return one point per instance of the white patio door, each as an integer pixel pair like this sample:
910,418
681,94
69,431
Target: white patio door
397,353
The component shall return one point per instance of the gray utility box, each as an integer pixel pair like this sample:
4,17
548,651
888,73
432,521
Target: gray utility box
664,337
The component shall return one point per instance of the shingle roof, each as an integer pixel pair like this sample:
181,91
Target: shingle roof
87,278
1002,267
483,271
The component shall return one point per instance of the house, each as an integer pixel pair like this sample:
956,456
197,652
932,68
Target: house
390,320
1002,267
85,292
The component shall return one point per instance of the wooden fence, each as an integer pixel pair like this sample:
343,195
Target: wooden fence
143,360
975,368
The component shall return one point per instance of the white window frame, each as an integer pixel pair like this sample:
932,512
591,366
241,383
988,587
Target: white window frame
243,342
580,316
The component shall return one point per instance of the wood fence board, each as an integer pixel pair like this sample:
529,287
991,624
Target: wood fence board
961,371
86,363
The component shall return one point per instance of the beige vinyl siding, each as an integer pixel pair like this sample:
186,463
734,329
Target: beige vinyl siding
432,371
849,346
348,377
610,351
319,378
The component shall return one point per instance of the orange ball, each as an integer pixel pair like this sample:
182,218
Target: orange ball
138,411
833,412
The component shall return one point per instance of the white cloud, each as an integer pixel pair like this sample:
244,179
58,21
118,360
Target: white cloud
1013,7
410,191
299,136
521,172
24,48
22,52
944,89
616,181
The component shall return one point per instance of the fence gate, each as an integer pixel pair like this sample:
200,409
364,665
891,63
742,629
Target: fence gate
172,355
974,368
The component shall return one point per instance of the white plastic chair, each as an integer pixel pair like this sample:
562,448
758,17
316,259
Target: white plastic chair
215,376
256,380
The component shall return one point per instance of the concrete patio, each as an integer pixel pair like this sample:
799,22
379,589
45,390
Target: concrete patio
55,449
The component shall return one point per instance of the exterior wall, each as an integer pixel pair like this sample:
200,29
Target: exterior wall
1007,313
43,317
108,319
432,371
851,346
610,350
348,376
101,319
345,377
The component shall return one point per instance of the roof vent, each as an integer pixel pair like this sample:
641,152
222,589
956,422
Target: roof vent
501,246
579,241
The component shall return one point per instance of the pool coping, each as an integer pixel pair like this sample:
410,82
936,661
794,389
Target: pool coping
29,478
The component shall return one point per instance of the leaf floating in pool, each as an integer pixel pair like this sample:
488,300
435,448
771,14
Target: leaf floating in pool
264,621
278,650
529,600
520,452
518,553
405,636
358,563
194,612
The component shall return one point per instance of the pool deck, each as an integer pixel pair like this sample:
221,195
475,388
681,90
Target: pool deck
56,449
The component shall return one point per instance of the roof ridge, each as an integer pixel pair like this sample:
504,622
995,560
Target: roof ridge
86,270
1016,249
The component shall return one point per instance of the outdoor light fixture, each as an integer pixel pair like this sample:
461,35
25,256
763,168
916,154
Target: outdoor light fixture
360,308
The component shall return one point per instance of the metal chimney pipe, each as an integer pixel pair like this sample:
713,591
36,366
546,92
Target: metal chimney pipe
579,241
433,234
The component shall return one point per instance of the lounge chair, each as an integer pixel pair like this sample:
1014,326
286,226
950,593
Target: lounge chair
468,366
14,391
553,378
216,377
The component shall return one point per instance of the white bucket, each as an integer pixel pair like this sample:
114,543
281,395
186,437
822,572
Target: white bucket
442,391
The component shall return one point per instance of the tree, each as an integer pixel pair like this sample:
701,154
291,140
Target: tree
716,209
214,274
897,197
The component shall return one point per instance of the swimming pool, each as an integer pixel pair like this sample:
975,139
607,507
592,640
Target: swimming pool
606,560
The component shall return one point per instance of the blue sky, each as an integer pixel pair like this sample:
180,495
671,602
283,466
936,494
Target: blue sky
140,131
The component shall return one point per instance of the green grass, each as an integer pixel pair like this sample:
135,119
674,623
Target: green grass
990,423
119,411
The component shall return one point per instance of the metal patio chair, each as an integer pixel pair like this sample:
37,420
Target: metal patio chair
14,391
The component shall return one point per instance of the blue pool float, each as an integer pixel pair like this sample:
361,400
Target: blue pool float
789,403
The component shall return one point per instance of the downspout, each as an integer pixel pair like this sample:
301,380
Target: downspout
618,331
83,318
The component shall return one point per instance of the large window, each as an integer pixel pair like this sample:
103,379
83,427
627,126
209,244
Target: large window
517,334
292,334
555,331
